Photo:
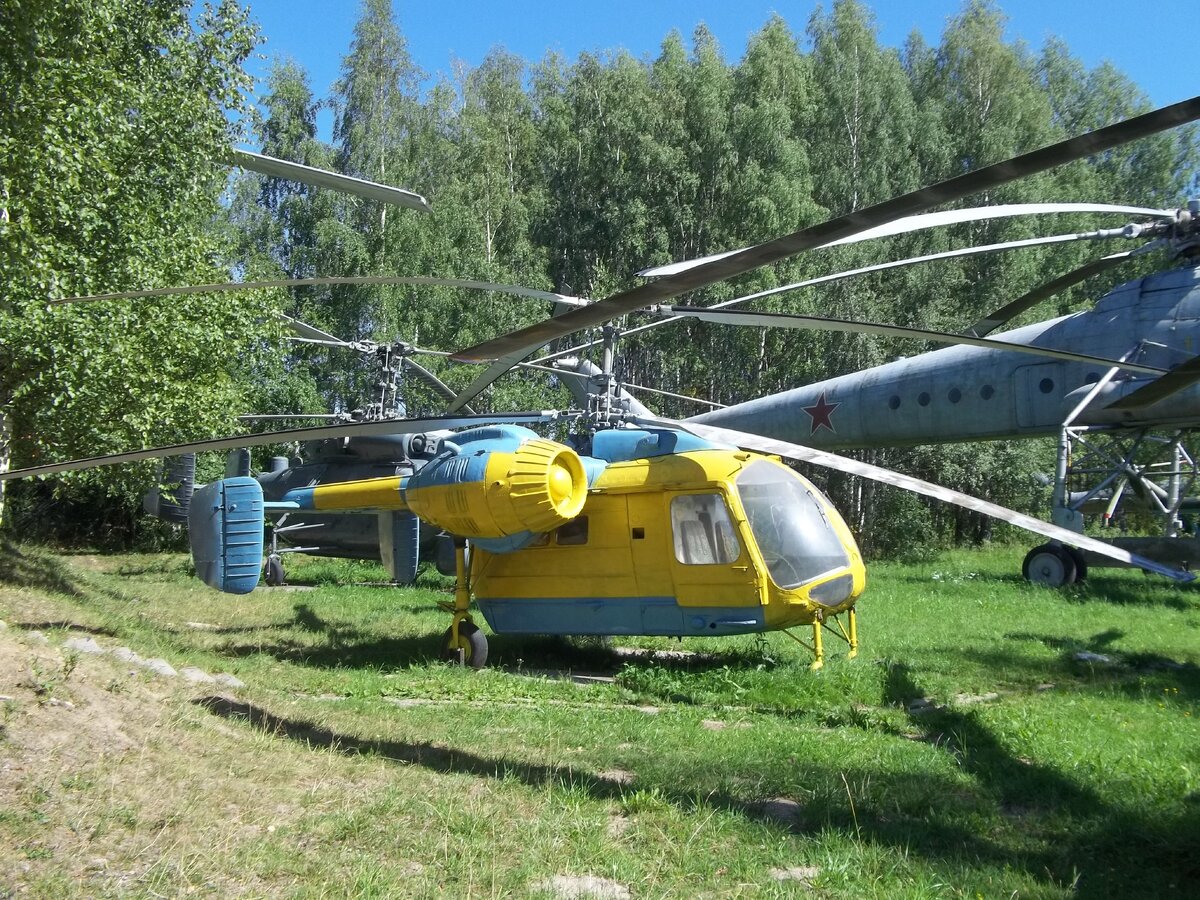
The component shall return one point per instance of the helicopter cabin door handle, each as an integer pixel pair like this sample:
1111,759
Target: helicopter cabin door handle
740,568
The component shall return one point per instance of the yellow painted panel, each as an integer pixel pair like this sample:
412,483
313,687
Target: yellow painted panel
370,493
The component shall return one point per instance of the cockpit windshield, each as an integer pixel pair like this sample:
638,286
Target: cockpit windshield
794,535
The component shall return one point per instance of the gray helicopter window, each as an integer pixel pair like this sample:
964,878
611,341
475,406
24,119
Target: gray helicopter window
894,403
793,533
955,395
1046,385
703,531
987,392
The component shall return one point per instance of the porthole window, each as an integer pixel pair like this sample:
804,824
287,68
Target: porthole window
923,398
987,392
894,402
1092,378
1046,385
955,395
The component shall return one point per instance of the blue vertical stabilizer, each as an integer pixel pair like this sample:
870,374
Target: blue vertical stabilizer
225,525
400,545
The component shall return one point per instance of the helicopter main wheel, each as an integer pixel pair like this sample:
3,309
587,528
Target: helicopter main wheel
1050,564
274,575
1081,566
471,642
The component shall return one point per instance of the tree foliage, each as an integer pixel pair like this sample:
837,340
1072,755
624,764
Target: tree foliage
112,139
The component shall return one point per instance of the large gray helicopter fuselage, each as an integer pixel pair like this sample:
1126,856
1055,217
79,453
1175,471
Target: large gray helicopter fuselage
968,393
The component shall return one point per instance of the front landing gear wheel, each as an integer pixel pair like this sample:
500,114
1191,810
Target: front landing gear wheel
1050,564
471,643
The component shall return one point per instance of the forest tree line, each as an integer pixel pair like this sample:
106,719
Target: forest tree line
567,175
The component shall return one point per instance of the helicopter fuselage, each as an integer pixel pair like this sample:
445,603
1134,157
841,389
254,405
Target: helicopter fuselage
968,393
702,542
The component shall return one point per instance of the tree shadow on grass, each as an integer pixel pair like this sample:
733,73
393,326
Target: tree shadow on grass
1096,663
1107,851
26,568
794,818
1058,833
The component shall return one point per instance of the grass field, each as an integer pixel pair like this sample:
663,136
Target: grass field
993,739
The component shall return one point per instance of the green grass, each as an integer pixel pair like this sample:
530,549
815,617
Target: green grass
354,762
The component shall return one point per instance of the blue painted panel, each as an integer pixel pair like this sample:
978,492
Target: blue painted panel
406,546
614,616
225,527
510,544
624,444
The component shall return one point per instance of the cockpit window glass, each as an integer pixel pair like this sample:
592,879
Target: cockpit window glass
703,532
793,533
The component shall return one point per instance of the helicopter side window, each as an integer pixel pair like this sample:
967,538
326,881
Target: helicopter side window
572,533
703,533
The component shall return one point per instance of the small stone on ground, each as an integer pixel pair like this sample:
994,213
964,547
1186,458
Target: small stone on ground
585,887
796,873
160,667
229,680
196,676
83,645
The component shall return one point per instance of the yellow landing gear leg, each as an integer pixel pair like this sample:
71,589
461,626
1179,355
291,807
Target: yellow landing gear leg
847,632
463,642
817,648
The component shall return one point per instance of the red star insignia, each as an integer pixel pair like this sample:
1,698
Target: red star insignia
822,414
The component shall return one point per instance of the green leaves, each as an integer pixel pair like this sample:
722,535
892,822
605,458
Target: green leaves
111,156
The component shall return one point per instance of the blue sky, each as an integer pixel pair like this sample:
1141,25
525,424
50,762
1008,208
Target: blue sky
1151,42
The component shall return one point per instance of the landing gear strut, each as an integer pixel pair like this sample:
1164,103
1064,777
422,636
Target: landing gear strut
847,632
463,642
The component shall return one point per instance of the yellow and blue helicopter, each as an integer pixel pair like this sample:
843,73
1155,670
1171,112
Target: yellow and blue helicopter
634,525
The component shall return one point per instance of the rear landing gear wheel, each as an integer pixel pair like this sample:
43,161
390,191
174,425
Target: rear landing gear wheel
1050,564
275,574
471,643
1081,566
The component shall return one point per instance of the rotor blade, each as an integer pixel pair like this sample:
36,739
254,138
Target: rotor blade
522,342
316,433
853,273
641,387
219,287
433,381
369,190
273,417
925,221
311,334
928,489
820,323
1182,376
992,321
877,267
490,374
